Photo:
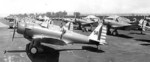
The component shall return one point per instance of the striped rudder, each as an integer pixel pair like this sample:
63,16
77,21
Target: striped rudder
99,34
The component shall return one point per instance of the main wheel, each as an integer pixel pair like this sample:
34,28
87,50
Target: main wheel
33,50
34,47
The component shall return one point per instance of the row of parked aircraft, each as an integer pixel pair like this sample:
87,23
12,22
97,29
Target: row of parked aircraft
39,33
113,22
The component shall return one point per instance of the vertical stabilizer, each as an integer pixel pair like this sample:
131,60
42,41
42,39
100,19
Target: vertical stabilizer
68,26
143,23
99,34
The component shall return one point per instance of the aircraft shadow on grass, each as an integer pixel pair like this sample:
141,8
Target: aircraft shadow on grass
144,40
146,44
92,49
123,36
52,55
137,33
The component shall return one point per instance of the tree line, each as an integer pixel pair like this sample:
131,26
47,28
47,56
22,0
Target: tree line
48,14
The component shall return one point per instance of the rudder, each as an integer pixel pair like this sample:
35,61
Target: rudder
99,34
68,26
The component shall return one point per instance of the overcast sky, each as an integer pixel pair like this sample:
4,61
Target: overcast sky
83,6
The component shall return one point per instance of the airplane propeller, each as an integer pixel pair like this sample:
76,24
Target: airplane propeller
24,33
15,27
13,34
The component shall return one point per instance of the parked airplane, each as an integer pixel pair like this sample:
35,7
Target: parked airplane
38,35
116,22
84,22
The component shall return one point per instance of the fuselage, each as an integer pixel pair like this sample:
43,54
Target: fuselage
116,23
35,29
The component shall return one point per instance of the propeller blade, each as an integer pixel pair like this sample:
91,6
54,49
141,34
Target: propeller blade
13,51
25,29
16,25
13,34
14,30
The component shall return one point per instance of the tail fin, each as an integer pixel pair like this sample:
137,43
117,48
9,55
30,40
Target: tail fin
68,26
44,23
99,34
140,22
143,23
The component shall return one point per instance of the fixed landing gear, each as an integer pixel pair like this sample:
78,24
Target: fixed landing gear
98,47
34,47
115,33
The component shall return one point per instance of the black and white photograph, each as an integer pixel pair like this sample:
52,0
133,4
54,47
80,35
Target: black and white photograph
74,30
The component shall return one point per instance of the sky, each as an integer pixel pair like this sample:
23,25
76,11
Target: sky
84,6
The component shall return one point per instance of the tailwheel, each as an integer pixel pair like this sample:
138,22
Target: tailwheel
98,47
115,33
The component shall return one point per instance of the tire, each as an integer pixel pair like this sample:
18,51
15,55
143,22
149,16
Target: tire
34,47
33,50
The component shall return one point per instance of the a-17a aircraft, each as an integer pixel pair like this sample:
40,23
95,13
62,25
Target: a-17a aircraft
84,22
116,22
38,35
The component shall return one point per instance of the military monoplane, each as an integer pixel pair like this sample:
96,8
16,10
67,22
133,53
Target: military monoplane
117,22
38,35
82,23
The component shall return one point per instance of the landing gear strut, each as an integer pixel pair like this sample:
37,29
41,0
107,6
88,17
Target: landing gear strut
34,47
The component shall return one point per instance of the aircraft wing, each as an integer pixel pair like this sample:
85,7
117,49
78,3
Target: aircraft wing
147,27
85,24
50,40
121,25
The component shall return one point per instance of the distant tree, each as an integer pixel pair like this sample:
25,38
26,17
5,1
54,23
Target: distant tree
42,14
64,13
53,14
25,15
48,14
77,14
60,14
